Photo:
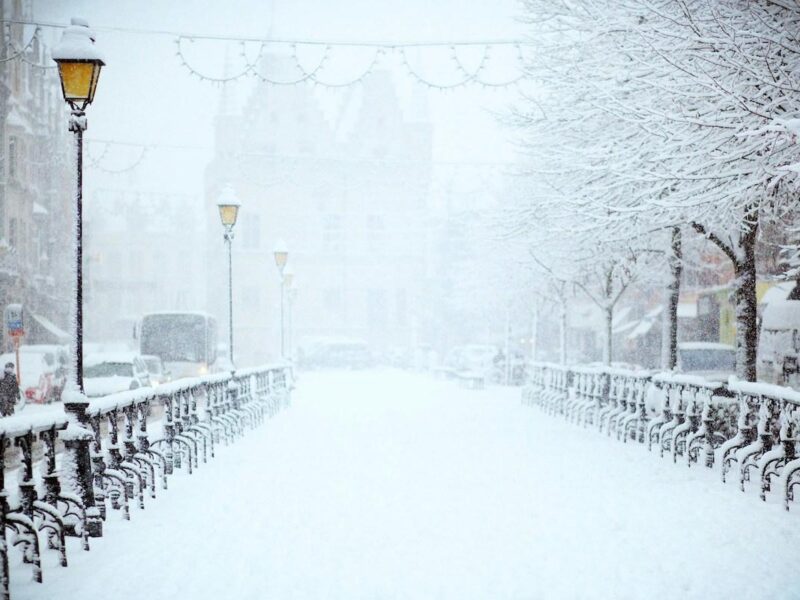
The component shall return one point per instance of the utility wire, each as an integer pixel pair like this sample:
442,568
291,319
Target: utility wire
232,38
308,157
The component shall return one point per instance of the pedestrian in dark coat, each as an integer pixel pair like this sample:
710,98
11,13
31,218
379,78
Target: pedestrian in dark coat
9,391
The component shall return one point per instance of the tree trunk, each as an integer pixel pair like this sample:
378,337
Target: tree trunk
563,332
607,348
669,343
746,302
534,329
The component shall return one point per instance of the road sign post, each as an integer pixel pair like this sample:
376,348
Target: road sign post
15,327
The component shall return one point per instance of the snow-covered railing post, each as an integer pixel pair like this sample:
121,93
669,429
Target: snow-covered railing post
173,459
108,454
790,437
675,418
232,390
78,438
772,453
746,432
695,417
4,571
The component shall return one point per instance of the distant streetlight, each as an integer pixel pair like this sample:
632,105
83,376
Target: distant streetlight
281,254
79,63
228,212
288,277
286,285
292,297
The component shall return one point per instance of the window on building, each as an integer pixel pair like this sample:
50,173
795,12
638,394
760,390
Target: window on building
12,157
332,232
251,232
252,298
375,232
333,299
12,233
401,307
376,309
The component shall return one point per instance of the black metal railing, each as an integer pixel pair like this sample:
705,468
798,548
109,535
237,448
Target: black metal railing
752,429
70,469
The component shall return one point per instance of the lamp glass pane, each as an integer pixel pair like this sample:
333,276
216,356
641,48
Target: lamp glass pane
228,213
78,80
95,79
280,258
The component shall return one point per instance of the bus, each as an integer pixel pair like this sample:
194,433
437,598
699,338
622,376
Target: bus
186,342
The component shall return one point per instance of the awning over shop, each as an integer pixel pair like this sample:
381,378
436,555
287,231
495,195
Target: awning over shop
646,324
61,336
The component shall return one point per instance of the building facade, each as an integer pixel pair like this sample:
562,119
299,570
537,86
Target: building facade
349,197
36,183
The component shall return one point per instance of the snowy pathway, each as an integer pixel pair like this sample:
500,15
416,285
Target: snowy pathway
384,485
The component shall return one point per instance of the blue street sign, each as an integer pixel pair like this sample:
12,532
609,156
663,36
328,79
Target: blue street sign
14,321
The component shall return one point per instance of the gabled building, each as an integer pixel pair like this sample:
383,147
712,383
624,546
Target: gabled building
348,195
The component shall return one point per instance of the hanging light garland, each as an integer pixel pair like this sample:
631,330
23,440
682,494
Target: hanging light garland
313,76
21,52
380,52
97,162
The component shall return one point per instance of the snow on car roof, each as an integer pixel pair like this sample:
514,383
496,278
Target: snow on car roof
109,357
704,346
55,348
781,315
196,313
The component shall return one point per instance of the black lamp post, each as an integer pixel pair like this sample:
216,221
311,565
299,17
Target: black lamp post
228,212
79,63
281,254
286,291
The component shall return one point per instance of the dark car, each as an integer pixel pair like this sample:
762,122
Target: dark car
339,355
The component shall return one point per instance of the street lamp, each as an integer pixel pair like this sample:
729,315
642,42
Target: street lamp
292,298
228,212
281,254
79,63
286,286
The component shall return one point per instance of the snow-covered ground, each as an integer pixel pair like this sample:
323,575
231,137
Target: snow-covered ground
385,485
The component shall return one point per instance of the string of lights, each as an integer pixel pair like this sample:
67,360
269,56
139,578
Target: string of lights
21,53
250,66
16,52
97,163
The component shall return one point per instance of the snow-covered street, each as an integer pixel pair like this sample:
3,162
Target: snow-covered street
382,484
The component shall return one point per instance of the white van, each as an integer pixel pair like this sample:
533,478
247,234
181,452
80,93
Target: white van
779,344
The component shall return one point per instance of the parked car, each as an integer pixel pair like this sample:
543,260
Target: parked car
335,353
479,358
710,360
779,341
105,374
43,371
155,369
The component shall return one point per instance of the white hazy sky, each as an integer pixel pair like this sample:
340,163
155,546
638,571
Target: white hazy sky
146,96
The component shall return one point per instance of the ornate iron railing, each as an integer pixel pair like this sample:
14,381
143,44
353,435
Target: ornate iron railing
108,453
751,429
